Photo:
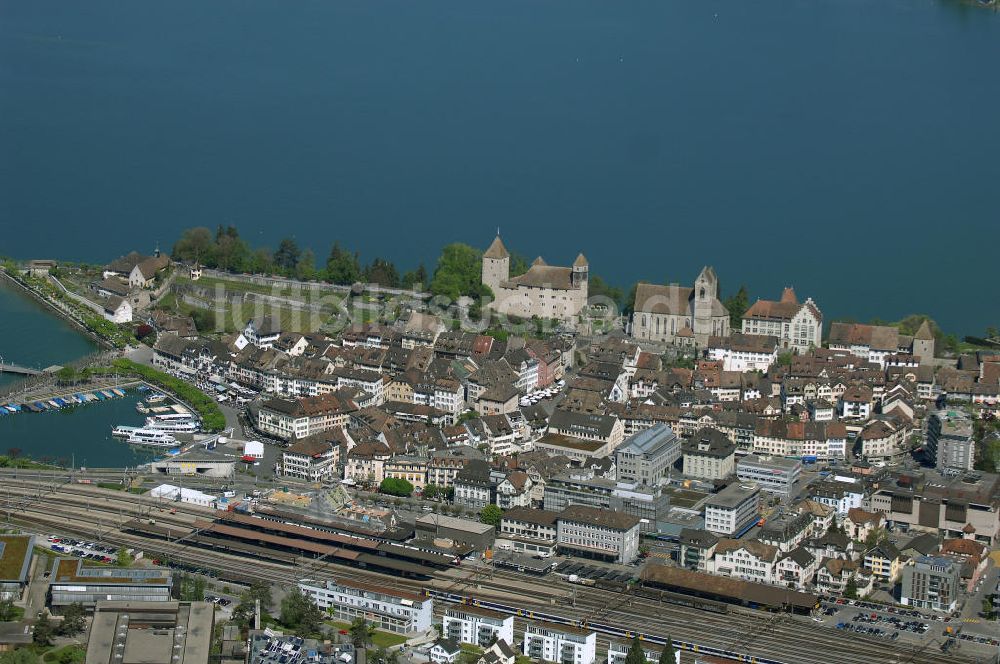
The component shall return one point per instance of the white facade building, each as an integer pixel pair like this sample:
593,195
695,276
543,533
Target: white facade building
478,626
390,610
559,643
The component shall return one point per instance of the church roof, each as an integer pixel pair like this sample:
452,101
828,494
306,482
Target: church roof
496,250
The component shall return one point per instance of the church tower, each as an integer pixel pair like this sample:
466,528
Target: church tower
706,289
496,267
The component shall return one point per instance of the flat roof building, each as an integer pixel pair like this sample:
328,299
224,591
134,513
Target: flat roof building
390,610
151,633
949,439
732,511
591,532
646,456
460,531
74,581
15,558
776,475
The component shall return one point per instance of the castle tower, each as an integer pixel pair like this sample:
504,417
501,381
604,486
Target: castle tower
706,289
923,343
581,270
496,267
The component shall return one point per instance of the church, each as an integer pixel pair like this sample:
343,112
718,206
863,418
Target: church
680,315
545,291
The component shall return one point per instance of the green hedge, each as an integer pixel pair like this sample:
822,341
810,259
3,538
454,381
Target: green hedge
208,409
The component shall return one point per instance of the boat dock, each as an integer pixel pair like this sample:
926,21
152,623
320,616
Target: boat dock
60,400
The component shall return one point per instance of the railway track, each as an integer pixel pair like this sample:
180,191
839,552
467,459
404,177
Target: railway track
74,508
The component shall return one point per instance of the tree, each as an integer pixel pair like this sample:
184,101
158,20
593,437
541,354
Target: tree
737,305
668,656
415,278
785,359
231,252
124,558
635,653
342,266
383,273
73,620
286,257
597,287
44,631
19,656
491,514
66,375
361,632
851,588
306,269
395,486
875,537
459,273
8,612
195,245
261,262
431,491
301,613
988,612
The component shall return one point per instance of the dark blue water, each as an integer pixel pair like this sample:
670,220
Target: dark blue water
80,435
846,147
33,337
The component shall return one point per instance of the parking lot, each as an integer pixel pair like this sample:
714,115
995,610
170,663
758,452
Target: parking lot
905,624
80,549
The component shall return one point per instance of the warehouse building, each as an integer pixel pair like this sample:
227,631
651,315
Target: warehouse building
74,581
137,632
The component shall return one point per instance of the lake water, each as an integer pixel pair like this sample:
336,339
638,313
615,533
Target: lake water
846,147
81,434
30,335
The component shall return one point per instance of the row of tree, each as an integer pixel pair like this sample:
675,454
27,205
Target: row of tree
226,250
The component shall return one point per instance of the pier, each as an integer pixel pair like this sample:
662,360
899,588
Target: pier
18,369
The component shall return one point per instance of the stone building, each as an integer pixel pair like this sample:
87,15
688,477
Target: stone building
545,291
678,314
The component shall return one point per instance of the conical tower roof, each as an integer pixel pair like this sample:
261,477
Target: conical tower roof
581,261
496,250
539,261
924,332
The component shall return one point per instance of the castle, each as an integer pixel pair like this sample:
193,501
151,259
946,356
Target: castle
545,291
680,315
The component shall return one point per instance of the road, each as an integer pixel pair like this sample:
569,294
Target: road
94,512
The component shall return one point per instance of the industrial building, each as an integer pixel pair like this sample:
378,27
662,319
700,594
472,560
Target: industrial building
137,632
200,463
72,580
463,532
15,559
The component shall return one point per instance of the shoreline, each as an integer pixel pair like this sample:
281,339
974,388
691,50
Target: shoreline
79,327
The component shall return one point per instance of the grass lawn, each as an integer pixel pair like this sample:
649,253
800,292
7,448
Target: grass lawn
66,655
15,550
379,640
